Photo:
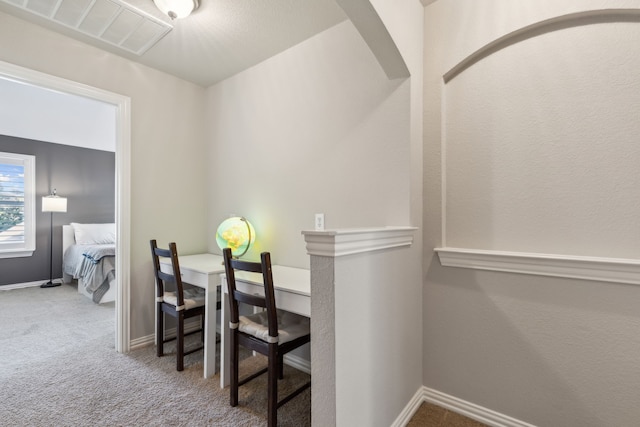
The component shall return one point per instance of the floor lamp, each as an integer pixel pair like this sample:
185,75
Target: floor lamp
52,203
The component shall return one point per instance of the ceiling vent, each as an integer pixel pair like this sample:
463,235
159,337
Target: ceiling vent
110,21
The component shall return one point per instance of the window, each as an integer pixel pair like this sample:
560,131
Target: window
17,205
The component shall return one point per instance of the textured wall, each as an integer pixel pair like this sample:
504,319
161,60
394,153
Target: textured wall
540,139
318,128
324,356
541,142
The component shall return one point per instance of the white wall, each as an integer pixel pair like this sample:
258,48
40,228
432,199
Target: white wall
321,121
166,129
541,156
33,112
541,144
318,128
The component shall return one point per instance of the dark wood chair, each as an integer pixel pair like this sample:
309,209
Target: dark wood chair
271,332
174,300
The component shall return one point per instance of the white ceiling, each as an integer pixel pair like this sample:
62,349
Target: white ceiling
220,39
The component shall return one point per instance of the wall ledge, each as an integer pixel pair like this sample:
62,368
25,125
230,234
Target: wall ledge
617,270
341,242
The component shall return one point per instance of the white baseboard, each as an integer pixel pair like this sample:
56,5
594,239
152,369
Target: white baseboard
462,407
142,342
409,410
27,284
168,333
298,362
290,359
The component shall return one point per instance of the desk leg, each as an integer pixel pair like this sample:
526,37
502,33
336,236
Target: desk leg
224,340
210,332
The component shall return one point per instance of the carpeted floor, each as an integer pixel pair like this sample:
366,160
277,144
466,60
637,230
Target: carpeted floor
60,368
430,415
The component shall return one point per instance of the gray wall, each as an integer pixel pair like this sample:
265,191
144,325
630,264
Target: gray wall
86,177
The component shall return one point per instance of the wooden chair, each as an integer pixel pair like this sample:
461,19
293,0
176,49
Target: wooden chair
174,300
272,333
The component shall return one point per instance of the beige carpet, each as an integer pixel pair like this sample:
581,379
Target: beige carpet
429,415
59,367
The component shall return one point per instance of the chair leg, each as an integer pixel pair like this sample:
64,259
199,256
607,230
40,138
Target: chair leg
272,386
180,343
159,332
233,365
281,366
202,328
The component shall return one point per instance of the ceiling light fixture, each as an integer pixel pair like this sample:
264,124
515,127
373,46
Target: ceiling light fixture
176,9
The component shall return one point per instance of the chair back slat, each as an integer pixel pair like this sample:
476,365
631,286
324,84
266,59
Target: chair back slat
166,276
162,278
250,333
255,300
267,301
253,267
164,253
174,304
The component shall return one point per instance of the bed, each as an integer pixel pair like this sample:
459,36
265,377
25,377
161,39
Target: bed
89,256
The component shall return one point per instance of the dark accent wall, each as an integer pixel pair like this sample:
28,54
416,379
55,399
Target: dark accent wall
85,177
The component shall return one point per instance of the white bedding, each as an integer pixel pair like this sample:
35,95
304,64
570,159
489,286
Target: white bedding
93,265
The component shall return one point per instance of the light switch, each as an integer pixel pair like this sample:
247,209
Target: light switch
319,222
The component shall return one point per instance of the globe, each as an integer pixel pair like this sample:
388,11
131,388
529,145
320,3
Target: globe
236,233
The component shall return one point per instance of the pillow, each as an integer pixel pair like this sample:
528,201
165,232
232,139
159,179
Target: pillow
94,234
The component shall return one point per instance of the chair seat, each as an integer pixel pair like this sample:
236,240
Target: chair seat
252,332
192,298
290,325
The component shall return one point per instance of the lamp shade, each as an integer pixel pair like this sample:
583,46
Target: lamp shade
176,9
53,203
236,233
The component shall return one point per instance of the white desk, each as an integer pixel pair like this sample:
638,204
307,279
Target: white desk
292,288
203,270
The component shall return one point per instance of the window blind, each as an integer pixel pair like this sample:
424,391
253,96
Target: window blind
12,200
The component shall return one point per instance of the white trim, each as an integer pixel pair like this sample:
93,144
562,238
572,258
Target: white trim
471,410
550,24
570,266
443,164
576,267
18,249
123,178
15,254
298,362
141,342
292,360
335,243
148,340
28,284
410,410
459,406
123,223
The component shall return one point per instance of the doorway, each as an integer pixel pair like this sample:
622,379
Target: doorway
122,179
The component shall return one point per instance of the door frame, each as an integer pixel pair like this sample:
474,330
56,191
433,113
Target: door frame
122,179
